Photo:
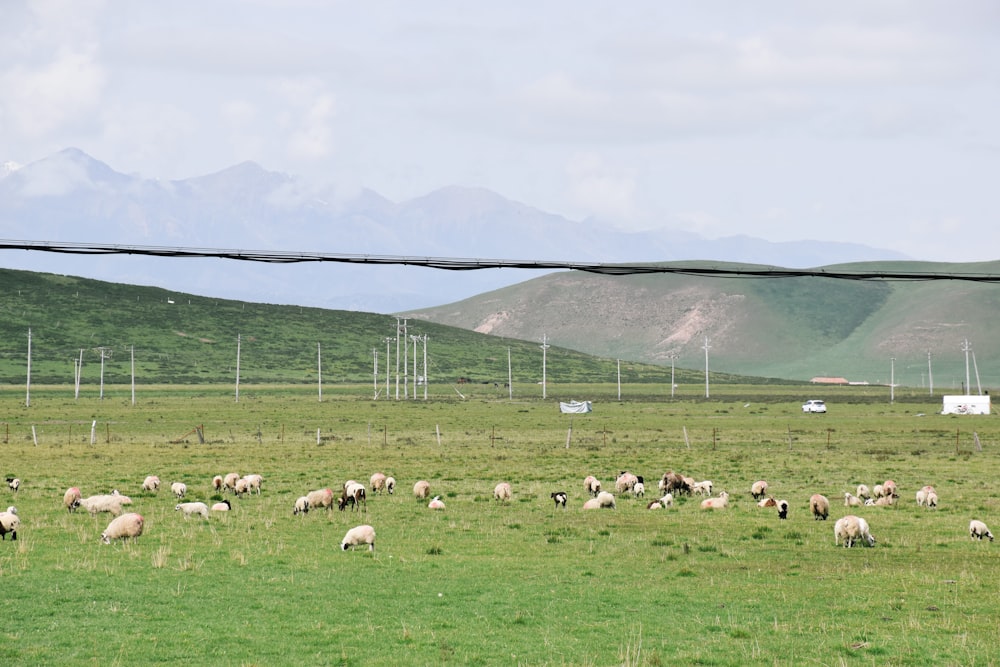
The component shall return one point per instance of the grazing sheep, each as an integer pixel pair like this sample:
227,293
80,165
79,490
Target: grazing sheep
923,493
502,492
301,506
254,483
978,530
436,503
885,501
591,485
390,485
192,508
242,486
625,481
662,503
151,484
559,497
718,503
9,523
639,490
863,492
178,489
592,504
606,500
104,503
782,509
851,529
932,500
229,481
877,491
223,506
674,483
767,502
889,488
421,490
13,483
217,483
354,494
819,506
126,527
319,498
850,500
71,499
702,488
758,489
357,536
378,482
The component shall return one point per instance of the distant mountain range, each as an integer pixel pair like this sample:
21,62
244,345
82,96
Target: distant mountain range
72,197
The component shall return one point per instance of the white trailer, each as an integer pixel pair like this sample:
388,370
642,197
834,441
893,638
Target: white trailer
966,405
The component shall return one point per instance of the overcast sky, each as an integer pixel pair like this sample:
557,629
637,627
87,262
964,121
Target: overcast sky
872,121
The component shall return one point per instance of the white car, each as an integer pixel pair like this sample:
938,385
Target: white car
814,405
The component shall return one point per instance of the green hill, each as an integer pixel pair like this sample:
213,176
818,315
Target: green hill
796,328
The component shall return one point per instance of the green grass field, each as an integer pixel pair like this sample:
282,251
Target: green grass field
482,583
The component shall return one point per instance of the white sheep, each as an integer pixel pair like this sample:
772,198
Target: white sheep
978,530
242,486
767,502
758,489
606,500
863,492
357,536
13,483
932,500
592,504
223,506
9,523
354,494
436,503
104,503
885,501
229,481
639,490
702,488
421,490
819,505
301,506
151,483
662,503
126,527
377,482
320,498
591,485
889,488
254,483
877,491
178,489
718,503
502,492
851,500
390,485
923,493
560,498
217,483
71,499
192,508
851,529
625,481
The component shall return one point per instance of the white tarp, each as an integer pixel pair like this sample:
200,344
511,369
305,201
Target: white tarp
575,407
966,405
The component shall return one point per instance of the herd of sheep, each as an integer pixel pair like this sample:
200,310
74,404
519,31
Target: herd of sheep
849,530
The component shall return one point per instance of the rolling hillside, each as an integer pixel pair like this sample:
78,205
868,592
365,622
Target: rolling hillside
795,328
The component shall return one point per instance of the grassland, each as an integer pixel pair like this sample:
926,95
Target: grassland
488,584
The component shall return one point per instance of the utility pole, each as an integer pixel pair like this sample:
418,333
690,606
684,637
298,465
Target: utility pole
133,373
892,379
27,385
406,362
397,357
105,353
545,346
375,375
706,346
930,376
319,371
415,338
239,341
510,383
426,382
388,339
965,348
619,379
673,358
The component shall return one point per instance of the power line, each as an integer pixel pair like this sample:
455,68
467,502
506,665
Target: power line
467,264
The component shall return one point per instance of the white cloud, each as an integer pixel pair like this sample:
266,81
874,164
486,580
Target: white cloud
602,191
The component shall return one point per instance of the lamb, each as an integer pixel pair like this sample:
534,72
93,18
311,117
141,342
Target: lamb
229,481
767,502
151,483
978,530
863,492
319,498
126,527
851,529
378,482
702,488
877,491
662,503
639,490
502,492
923,493
819,506
436,503
758,489
9,523
625,481
932,500
301,506
850,500
421,490
605,500
357,536
390,485
591,485
104,503
178,489
192,508
13,483
354,494
718,503
71,499
782,509
559,497
224,506
217,483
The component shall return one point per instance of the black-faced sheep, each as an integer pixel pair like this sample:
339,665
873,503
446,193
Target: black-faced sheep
717,503
178,489
782,509
923,493
661,503
353,494
301,506
639,490
758,489
151,484
674,483
223,506
357,536
502,492
559,497
192,508
390,485
229,481
819,506
9,523
378,482
71,499
126,527
591,485
978,530
421,490
13,483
